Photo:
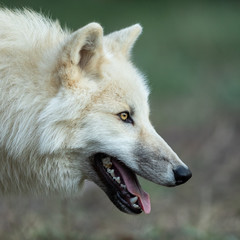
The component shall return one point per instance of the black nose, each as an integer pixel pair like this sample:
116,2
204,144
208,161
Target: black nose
182,174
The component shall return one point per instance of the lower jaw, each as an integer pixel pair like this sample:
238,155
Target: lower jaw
121,204
115,195
125,206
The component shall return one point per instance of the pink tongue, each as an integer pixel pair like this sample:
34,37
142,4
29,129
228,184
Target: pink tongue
134,187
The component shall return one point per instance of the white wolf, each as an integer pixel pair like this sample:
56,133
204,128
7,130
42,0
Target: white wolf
73,107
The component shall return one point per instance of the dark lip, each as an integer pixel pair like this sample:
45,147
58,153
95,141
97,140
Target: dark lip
115,194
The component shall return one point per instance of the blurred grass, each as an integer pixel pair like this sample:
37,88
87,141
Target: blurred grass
190,52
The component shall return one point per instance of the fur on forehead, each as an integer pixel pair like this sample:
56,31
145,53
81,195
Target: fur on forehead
122,78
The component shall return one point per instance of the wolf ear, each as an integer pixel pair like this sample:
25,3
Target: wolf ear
123,40
82,51
84,44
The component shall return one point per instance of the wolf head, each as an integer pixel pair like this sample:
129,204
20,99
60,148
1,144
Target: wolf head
100,119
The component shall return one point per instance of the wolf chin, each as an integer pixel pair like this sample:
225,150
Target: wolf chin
74,107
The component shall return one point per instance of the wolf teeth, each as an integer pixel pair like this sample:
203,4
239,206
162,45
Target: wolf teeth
117,179
133,199
111,171
135,206
107,162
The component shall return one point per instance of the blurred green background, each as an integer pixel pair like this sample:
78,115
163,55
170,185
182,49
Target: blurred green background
190,52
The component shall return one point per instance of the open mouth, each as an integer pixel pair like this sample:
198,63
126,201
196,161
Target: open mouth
121,184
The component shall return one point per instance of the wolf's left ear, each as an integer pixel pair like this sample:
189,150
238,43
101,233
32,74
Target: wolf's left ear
84,44
123,40
82,51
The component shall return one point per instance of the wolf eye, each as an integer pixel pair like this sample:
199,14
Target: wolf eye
125,117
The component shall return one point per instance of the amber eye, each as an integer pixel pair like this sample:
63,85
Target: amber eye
125,117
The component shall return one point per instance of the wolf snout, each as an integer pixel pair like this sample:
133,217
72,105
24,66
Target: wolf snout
182,174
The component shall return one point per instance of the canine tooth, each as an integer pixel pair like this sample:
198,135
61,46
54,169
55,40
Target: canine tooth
123,186
111,171
135,206
133,199
117,179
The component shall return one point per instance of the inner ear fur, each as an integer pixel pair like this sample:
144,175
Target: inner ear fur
84,43
82,50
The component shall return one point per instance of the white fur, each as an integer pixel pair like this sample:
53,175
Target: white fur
60,96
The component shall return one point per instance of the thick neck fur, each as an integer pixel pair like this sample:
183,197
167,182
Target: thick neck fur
28,41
